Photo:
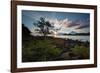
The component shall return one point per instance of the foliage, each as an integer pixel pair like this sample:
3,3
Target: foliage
43,25
40,50
81,51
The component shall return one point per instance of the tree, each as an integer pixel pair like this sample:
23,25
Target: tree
44,26
25,30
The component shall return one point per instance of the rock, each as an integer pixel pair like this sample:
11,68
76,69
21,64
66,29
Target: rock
69,56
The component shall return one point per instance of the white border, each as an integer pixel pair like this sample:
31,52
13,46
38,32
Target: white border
52,63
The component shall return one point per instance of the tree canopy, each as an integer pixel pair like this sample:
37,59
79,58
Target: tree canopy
43,25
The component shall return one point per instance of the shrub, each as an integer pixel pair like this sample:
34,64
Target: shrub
81,51
40,50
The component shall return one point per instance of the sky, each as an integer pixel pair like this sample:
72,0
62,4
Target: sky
65,21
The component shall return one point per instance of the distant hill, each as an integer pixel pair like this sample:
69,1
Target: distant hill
74,33
25,33
25,30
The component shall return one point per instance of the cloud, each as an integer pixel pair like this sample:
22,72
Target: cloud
73,24
66,23
60,23
63,24
82,26
79,24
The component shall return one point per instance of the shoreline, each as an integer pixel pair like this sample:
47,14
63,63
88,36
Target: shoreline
59,37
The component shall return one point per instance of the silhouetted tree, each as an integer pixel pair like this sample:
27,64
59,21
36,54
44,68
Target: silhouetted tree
44,26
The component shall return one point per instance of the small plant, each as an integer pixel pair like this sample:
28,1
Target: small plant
81,51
